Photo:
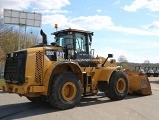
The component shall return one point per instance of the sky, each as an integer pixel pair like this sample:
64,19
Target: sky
121,27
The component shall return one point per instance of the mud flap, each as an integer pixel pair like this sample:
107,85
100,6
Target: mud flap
138,83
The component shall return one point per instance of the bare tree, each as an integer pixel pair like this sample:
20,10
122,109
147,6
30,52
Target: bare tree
32,38
122,59
146,62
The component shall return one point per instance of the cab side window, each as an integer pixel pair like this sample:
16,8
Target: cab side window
80,42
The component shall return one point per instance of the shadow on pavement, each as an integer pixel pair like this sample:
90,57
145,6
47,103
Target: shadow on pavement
28,109
155,81
2,92
22,110
101,98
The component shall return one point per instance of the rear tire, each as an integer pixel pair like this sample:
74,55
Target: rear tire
118,86
65,91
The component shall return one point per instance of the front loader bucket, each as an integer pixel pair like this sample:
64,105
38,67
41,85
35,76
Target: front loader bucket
138,83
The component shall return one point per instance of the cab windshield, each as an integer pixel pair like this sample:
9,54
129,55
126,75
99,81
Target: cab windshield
75,41
64,40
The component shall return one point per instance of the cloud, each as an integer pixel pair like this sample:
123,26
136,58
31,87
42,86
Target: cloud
117,2
139,56
55,19
90,22
49,4
152,5
153,15
14,4
97,22
99,11
134,31
40,4
51,11
131,57
93,22
135,50
154,25
52,14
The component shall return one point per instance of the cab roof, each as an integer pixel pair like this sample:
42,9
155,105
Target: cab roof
72,30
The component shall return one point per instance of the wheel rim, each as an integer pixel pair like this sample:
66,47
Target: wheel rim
69,91
121,85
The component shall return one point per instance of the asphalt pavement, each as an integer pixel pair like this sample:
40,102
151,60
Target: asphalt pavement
91,108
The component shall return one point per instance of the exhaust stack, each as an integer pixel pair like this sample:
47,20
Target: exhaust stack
44,42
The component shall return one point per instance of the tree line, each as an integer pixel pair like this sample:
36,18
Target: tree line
122,61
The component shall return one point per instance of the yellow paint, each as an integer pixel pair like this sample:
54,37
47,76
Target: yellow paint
37,89
136,83
37,81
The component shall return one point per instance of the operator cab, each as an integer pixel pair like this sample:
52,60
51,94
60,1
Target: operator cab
75,43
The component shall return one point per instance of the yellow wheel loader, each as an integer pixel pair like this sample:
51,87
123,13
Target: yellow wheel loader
64,71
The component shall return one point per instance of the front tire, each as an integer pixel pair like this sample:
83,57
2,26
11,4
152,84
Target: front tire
65,91
118,86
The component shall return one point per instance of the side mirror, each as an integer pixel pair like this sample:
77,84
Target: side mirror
110,55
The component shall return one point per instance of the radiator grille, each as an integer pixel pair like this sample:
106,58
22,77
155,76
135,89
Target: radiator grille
15,67
38,67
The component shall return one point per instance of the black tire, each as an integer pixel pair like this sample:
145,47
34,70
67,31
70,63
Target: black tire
148,74
118,86
155,74
65,91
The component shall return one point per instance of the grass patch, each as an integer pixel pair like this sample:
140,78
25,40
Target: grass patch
1,80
